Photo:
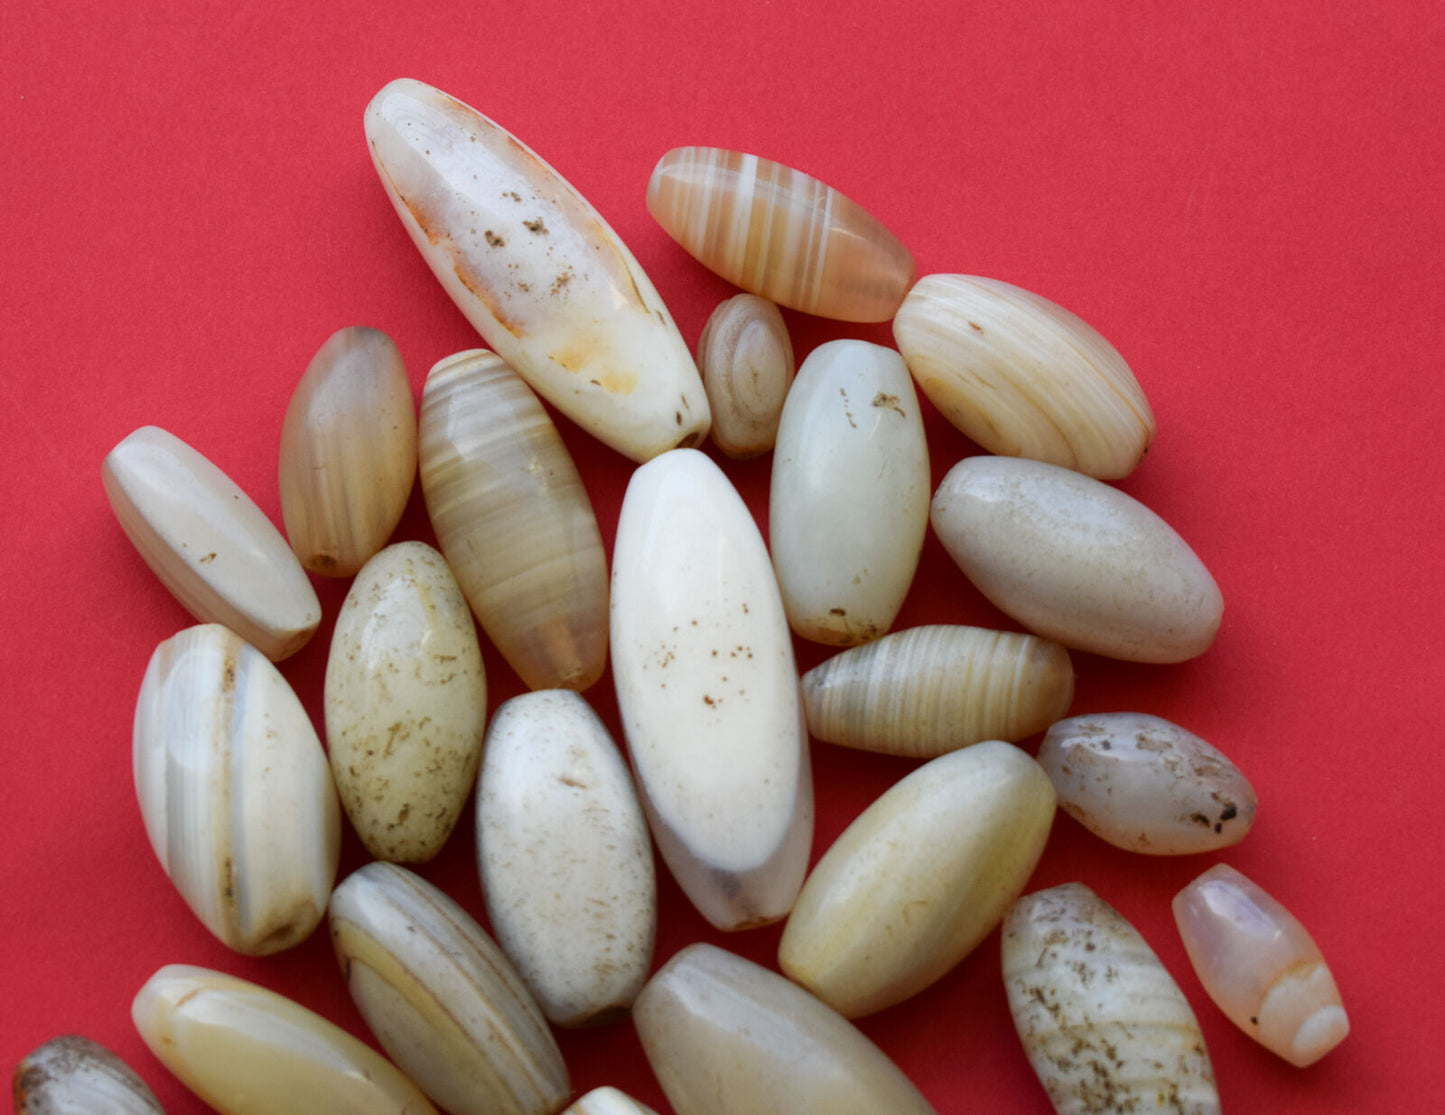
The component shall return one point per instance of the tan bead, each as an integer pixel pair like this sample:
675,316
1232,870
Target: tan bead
780,233
348,452
746,359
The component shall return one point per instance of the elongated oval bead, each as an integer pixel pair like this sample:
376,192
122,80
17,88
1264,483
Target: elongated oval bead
708,692
566,862
1023,377
442,998
245,1050
919,878
234,790
849,502
1260,966
726,1036
608,1101
348,452
1102,1023
780,233
514,521
537,271
1076,561
746,359
73,1075
406,703
1146,785
929,690
209,544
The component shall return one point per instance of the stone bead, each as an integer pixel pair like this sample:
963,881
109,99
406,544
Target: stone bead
1076,561
608,1101
209,544
1260,966
348,452
746,359
537,271
73,1075
1146,785
779,233
406,703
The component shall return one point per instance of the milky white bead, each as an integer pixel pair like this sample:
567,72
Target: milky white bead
708,692
726,1036
608,1101
406,703
209,544
1103,1024
919,878
1076,561
565,859
235,791
1146,785
245,1050
442,998
1260,966
73,1075
849,503
537,271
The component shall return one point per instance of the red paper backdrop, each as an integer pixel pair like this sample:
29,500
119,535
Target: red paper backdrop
1246,199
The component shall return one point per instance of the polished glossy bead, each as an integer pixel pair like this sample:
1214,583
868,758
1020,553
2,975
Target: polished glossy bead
513,518
209,544
1076,560
348,452
73,1075
707,690
234,790
848,507
927,690
537,271
1260,966
746,359
780,233
406,703
1103,1024
1146,785
1023,377
608,1101
726,1036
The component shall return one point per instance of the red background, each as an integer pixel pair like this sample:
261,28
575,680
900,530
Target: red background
1246,199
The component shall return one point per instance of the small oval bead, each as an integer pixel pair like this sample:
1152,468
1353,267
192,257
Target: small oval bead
537,271
514,521
442,999
245,1050
930,690
348,452
209,544
726,1036
848,507
707,690
1146,785
919,878
1076,561
565,859
780,233
73,1075
746,359
608,1101
406,703
235,791
1260,966
1023,377
1102,1023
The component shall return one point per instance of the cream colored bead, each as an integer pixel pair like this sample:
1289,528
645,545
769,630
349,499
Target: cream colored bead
746,359
73,1075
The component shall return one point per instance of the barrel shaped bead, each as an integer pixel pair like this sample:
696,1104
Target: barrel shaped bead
565,858
780,233
406,703
746,359
848,508
1076,560
1022,376
707,690
537,271
73,1075
208,542
514,521
348,452
235,791
1260,966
